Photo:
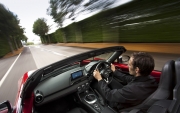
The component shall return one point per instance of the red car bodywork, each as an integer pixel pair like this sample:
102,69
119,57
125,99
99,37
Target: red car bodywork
28,103
4,111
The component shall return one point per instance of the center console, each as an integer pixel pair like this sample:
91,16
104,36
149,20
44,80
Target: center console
94,102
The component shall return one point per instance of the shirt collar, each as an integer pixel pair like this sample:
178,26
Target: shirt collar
141,78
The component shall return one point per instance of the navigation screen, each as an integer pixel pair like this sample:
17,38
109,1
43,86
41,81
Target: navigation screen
76,74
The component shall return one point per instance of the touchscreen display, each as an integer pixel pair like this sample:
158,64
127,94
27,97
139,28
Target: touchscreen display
76,74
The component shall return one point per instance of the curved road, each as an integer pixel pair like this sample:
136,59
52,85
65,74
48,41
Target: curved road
34,57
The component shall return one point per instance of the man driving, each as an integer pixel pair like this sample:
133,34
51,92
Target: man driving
139,84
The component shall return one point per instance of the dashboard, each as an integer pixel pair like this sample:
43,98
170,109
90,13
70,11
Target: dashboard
72,80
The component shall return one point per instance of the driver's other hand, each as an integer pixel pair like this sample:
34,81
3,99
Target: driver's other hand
97,75
113,67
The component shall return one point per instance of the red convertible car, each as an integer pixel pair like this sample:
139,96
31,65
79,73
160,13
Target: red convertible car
66,84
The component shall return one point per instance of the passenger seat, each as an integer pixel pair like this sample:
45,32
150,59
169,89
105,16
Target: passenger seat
170,106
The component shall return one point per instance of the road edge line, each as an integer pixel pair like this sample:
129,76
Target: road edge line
4,77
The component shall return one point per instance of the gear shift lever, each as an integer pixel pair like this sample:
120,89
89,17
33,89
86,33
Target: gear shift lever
90,98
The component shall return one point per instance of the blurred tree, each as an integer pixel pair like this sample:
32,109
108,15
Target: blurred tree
9,26
24,38
41,28
17,31
19,36
70,9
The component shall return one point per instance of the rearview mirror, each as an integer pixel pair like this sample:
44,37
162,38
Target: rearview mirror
5,107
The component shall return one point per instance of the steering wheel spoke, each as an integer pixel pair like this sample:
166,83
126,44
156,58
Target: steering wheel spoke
105,70
106,80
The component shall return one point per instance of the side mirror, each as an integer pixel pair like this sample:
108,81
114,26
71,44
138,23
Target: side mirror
5,107
124,58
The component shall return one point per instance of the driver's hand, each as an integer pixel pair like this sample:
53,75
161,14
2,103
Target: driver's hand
113,67
97,75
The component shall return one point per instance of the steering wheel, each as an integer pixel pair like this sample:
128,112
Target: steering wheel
105,70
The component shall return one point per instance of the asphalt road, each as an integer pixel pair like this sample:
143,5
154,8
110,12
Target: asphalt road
25,62
34,57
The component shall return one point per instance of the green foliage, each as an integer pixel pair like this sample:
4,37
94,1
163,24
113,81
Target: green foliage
9,23
59,35
40,27
91,30
4,47
10,30
30,43
69,9
6,20
69,33
52,38
24,38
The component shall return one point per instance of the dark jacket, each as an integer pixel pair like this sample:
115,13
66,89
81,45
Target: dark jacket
136,90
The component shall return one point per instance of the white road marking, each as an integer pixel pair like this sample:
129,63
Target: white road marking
4,77
56,53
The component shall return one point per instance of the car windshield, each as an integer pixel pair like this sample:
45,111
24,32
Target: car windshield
72,65
101,57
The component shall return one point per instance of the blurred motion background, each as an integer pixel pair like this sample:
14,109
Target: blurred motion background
96,21
146,21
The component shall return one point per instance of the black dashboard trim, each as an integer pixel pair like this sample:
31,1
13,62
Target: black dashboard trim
61,93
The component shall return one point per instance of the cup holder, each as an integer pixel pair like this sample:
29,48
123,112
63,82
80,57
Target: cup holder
90,98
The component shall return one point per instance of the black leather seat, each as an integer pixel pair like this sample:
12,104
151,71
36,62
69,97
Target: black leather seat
177,70
170,106
164,90
167,106
77,110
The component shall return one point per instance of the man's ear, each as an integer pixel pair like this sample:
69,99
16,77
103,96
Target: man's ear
137,70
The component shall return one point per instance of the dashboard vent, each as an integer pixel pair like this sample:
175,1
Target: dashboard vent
38,97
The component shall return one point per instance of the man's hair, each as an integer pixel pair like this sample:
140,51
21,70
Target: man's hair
144,62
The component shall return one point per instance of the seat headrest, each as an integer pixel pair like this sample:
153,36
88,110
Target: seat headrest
167,76
177,71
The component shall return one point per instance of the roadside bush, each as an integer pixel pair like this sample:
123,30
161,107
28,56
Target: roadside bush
30,43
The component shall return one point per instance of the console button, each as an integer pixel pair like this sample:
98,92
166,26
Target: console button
83,86
95,105
79,88
98,109
87,84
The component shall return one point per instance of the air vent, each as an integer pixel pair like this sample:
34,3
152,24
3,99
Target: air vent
38,97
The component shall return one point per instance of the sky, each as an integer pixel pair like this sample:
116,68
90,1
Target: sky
28,11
